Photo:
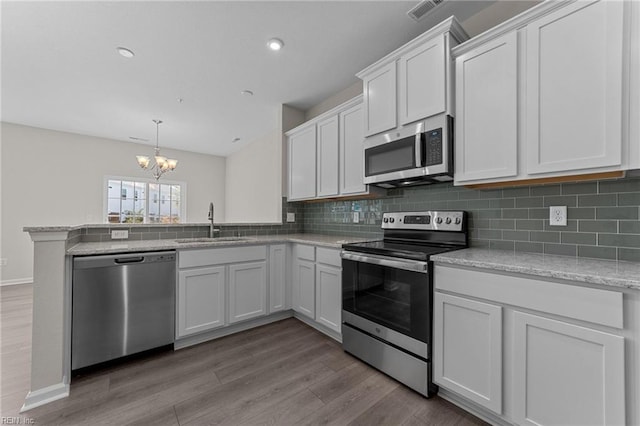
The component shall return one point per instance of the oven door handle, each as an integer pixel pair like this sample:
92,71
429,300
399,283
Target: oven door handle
407,265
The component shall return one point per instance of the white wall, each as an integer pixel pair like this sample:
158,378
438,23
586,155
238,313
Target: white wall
56,178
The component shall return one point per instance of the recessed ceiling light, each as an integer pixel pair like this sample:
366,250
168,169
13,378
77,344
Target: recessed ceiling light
180,100
275,44
125,52
235,140
247,93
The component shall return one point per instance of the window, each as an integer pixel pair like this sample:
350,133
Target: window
136,201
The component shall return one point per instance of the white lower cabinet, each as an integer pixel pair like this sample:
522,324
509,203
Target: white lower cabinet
247,291
277,278
304,296
530,351
566,374
200,302
468,349
329,296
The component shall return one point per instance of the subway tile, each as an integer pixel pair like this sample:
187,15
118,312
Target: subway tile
503,224
527,202
529,247
542,213
597,200
457,205
481,223
502,245
520,191
490,234
629,199
581,213
530,224
597,225
544,190
617,213
91,238
515,214
490,193
580,188
104,230
479,243
504,203
578,238
469,194
597,252
620,185
629,254
480,204
490,214
629,227
560,200
619,240
544,237
515,235
560,249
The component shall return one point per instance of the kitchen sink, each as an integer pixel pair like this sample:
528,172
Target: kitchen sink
210,240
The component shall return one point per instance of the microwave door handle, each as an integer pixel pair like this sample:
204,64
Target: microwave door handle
418,149
407,265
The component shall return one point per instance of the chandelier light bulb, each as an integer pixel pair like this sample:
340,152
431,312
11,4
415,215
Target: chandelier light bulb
162,164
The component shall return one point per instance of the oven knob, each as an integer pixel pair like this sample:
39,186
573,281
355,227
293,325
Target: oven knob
458,220
385,220
391,220
438,220
448,220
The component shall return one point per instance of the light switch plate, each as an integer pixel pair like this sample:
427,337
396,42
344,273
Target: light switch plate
558,215
291,217
356,217
119,235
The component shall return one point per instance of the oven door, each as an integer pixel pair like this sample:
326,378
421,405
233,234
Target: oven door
389,292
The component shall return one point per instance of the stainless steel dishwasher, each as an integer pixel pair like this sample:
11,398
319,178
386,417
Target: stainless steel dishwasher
121,304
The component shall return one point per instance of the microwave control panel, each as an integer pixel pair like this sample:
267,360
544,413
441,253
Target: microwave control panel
433,147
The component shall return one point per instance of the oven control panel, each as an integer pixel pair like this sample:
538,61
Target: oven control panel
428,220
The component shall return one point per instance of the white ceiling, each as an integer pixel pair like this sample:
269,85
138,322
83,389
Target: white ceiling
60,68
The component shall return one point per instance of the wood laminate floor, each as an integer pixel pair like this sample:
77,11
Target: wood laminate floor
284,373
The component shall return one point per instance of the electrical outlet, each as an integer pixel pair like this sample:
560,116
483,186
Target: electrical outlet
558,215
119,235
3,261
356,217
291,217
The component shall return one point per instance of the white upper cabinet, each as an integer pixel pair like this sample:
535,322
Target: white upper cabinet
352,151
486,134
413,82
422,80
547,94
574,88
327,168
634,92
302,163
379,91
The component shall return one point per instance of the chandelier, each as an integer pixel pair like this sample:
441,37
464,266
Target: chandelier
162,164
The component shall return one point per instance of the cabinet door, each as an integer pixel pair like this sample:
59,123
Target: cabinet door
304,296
565,374
327,157
302,164
201,299
247,291
467,356
379,91
352,151
634,92
329,297
574,88
486,138
422,81
277,278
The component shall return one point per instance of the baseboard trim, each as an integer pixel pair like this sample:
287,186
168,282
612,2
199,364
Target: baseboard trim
472,408
321,328
185,342
46,395
16,281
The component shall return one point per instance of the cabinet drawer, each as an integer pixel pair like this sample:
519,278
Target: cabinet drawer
193,258
305,252
572,301
328,257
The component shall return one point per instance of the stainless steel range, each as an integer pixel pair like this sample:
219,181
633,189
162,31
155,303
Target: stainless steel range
387,293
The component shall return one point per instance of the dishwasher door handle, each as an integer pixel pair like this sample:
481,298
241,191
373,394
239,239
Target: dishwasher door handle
125,260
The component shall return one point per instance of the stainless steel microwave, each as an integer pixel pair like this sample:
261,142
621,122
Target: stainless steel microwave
417,154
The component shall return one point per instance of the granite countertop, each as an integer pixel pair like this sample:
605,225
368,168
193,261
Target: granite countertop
593,271
124,246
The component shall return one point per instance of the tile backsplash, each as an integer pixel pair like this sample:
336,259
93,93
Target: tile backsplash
603,216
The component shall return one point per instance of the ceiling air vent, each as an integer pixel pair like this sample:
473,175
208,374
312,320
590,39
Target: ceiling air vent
420,10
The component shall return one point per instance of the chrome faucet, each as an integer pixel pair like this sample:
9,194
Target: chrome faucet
211,227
